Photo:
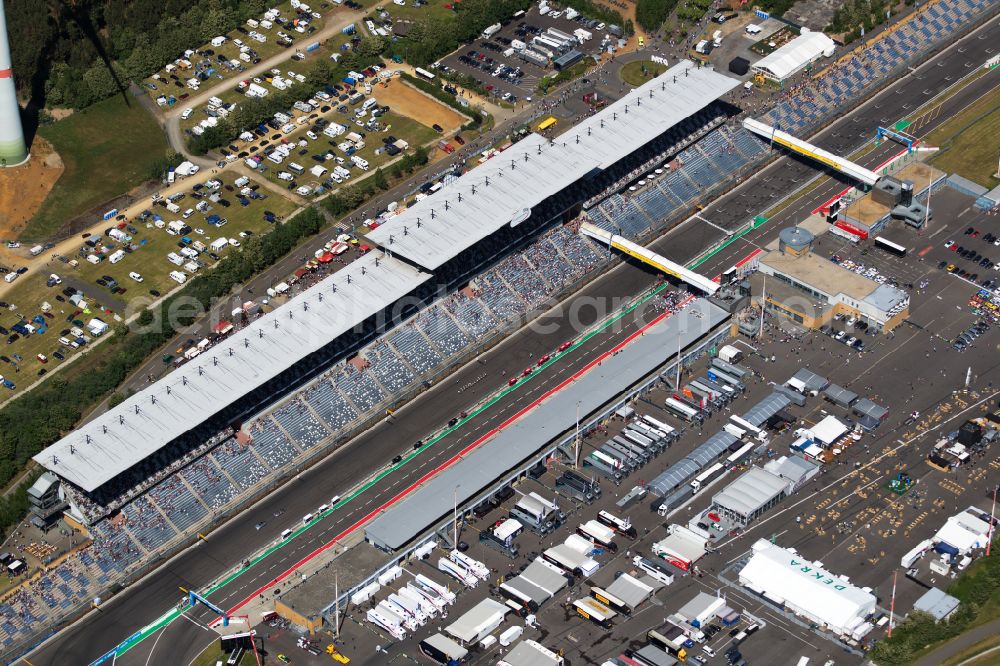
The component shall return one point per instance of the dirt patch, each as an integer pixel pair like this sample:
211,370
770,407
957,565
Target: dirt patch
60,114
426,110
24,188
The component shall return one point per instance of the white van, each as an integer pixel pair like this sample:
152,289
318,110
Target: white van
92,258
10,277
178,277
286,534
306,519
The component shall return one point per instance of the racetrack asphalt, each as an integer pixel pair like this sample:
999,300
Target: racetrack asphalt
225,548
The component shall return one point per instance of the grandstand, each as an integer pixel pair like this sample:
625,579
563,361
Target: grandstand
504,201
480,309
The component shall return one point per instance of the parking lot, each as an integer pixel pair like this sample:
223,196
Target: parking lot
845,516
503,71
227,56
138,255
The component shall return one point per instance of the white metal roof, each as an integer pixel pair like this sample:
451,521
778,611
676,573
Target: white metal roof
503,190
681,546
121,437
481,618
752,490
806,588
630,590
452,649
543,576
829,430
530,653
796,54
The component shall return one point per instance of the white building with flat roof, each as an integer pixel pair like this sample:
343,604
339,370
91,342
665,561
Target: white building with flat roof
806,588
795,56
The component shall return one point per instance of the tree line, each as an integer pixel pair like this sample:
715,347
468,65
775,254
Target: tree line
428,40
651,14
69,54
40,417
977,588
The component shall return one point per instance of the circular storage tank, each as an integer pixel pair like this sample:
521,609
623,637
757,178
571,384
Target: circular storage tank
795,240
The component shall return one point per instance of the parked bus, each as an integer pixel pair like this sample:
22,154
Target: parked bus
659,425
706,477
594,611
654,569
890,247
424,74
621,525
547,123
604,458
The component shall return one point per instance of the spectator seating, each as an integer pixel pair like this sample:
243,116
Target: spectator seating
147,525
415,348
329,403
177,502
212,486
389,370
359,387
298,421
271,444
439,326
240,463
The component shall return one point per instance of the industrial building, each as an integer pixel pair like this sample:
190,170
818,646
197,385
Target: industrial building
795,56
478,623
750,496
795,470
785,578
682,547
891,198
939,605
809,289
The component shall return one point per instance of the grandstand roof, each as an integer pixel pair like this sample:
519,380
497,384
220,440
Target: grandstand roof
468,209
525,437
123,436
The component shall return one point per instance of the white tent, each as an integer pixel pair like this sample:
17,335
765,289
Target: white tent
828,431
806,588
795,55
476,624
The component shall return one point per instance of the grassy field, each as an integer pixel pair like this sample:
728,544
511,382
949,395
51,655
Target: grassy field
638,72
108,148
399,126
166,86
148,259
968,142
991,646
212,655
